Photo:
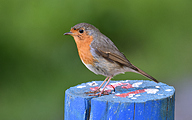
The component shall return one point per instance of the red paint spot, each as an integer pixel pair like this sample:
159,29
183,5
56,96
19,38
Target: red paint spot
127,86
115,85
112,87
134,92
93,89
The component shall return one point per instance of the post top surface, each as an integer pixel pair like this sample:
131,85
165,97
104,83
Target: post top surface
125,91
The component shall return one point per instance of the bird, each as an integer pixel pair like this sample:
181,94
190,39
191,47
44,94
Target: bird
100,55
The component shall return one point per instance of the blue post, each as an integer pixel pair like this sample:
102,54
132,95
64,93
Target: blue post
131,100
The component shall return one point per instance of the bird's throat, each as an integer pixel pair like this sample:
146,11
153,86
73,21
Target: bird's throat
83,47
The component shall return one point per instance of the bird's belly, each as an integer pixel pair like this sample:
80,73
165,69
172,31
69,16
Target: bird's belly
98,70
106,68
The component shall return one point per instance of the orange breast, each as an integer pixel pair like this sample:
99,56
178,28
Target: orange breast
83,46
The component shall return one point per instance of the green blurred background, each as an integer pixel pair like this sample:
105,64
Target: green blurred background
38,63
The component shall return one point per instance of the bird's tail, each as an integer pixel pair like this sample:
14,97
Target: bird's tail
145,74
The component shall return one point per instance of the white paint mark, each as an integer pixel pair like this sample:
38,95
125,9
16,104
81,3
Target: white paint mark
92,84
137,95
151,91
125,81
137,84
157,86
117,94
81,86
168,90
133,98
160,94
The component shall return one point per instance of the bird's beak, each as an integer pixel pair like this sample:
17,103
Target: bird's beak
68,33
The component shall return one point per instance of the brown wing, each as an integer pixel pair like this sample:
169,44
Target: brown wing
121,59
106,48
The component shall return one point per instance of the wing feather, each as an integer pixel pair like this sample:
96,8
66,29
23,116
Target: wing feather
121,59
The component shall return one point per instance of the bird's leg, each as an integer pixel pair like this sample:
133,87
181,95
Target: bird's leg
98,89
103,92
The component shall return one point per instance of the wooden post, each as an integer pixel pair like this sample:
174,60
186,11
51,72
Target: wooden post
129,100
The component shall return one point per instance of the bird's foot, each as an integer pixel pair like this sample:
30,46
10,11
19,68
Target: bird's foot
96,91
100,93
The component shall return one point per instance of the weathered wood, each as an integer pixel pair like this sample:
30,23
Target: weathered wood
132,100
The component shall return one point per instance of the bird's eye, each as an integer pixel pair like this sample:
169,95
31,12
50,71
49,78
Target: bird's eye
81,31
74,28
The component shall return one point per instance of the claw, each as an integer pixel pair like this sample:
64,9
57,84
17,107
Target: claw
96,91
99,94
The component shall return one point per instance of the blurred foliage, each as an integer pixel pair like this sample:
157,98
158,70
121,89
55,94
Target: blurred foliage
38,63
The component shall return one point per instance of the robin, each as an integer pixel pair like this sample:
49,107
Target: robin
100,55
